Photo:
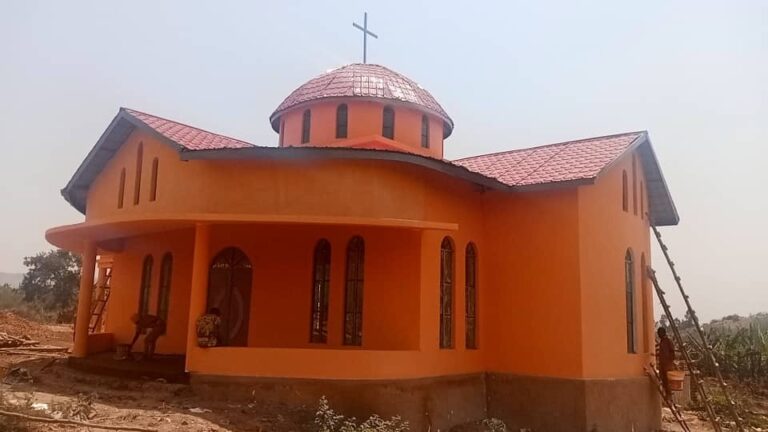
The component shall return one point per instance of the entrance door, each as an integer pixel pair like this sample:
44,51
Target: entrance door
229,290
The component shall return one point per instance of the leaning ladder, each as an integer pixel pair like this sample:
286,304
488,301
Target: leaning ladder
704,342
673,408
701,389
100,302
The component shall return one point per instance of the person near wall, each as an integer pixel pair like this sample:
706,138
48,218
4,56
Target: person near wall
153,327
665,353
208,328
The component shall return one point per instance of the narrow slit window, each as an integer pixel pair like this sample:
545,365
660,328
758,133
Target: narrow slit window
341,121
624,192
388,126
146,285
353,293
634,185
647,318
425,131
164,294
321,281
121,189
642,200
153,183
446,293
629,284
470,275
306,125
139,163
282,133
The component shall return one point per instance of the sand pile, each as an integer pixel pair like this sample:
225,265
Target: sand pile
16,326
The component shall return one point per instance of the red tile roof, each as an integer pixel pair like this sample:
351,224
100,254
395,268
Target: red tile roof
562,162
191,138
362,80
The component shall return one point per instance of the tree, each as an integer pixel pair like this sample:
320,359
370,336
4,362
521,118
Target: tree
52,281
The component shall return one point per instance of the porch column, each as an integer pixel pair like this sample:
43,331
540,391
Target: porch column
199,283
80,348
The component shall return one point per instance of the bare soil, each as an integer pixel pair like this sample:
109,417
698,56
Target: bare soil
158,405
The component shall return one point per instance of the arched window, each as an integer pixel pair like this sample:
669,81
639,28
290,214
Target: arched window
121,189
470,291
629,283
153,184
642,201
341,121
139,163
425,131
647,318
321,281
624,192
388,124
634,185
229,290
306,124
164,293
353,292
146,285
446,293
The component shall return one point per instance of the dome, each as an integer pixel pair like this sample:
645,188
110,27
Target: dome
365,81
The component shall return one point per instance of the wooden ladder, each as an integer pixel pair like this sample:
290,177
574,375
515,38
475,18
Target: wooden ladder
707,348
676,413
99,303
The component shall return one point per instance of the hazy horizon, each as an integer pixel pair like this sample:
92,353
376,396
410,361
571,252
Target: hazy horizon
510,74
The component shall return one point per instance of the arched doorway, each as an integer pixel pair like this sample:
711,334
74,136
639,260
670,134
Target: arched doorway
229,289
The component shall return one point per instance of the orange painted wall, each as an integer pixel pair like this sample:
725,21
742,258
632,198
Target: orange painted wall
606,232
364,119
534,297
126,281
543,294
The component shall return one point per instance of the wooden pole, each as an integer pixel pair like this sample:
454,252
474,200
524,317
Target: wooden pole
30,418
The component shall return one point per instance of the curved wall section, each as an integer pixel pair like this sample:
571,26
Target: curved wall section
364,119
295,188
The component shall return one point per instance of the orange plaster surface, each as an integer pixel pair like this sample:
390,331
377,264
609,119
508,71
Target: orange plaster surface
606,231
365,120
550,276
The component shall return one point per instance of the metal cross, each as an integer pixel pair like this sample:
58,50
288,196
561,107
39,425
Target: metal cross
366,32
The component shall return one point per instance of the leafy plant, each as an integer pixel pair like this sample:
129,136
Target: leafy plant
328,420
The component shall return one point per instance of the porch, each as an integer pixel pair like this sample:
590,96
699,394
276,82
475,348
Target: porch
282,329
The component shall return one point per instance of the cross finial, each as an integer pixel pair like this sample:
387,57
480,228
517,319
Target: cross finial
366,33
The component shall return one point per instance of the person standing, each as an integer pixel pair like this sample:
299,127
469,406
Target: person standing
665,353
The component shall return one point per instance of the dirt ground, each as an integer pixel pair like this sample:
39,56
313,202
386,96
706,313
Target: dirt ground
160,406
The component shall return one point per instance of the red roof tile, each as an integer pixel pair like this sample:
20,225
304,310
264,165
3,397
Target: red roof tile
191,138
362,80
567,161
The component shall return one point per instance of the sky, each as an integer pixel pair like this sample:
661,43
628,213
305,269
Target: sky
511,74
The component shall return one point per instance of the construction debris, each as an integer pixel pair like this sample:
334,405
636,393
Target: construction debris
30,418
8,341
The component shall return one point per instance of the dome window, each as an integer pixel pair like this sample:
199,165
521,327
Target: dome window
424,131
388,126
341,121
306,121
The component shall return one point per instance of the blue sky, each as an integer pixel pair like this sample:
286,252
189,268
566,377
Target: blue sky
511,74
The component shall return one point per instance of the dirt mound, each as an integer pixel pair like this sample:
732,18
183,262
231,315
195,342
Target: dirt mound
17,326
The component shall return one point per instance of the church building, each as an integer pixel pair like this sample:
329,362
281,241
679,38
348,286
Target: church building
354,261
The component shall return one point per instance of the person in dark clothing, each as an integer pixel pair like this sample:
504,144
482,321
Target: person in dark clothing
665,353
154,326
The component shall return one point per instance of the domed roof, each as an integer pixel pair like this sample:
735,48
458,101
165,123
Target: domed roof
363,80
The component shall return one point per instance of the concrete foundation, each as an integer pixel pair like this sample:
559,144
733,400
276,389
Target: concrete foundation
431,404
427,404
568,405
